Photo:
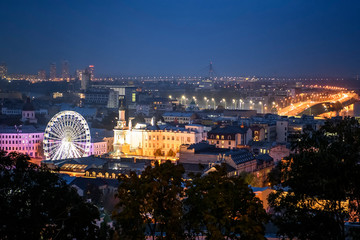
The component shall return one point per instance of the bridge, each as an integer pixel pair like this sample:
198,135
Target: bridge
299,108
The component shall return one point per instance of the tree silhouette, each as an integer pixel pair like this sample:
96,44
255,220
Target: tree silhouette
37,204
150,203
171,153
318,187
225,207
158,152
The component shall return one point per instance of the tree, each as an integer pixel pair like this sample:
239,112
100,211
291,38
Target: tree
158,152
318,187
37,204
171,153
129,213
93,193
150,203
223,206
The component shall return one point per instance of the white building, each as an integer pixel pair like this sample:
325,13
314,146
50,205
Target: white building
282,127
146,140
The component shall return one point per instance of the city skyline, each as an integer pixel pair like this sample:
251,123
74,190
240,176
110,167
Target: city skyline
277,38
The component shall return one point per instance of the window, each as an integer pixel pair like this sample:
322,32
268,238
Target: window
229,142
188,139
217,136
222,136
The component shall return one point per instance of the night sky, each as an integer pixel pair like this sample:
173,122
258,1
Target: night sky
163,37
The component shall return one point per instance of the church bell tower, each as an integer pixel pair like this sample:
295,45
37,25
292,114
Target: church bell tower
120,132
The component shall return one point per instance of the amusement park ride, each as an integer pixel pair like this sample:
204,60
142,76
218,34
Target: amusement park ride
67,135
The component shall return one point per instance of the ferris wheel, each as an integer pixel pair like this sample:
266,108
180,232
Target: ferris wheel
67,135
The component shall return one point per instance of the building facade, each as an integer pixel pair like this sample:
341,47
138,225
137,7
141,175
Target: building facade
152,140
26,139
230,136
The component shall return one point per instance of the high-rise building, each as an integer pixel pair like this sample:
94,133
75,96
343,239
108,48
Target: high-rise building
79,74
85,81
65,71
42,75
3,70
53,71
91,70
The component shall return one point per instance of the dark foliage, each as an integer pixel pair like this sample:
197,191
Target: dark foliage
318,187
225,207
158,203
37,204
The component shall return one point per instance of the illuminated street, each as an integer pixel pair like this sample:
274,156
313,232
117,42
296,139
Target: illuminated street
295,109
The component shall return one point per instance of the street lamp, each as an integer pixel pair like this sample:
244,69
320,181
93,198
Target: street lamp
224,100
261,109
205,102
234,102
240,103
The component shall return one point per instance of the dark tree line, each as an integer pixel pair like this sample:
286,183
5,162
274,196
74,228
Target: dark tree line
37,204
318,187
160,203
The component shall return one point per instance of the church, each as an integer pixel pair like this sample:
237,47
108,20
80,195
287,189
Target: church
153,140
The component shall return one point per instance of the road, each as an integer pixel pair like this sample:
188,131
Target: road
297,108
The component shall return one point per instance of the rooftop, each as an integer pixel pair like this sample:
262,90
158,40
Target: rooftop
178,114
22,129
228,130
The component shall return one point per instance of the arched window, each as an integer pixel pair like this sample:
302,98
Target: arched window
229,137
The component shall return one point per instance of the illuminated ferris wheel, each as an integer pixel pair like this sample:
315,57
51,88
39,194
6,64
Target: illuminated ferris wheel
67,135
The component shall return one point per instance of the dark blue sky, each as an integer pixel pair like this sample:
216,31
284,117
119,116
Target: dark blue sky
164,37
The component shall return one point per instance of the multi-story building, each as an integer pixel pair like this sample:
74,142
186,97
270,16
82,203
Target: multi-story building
107,97
91,71
3,70
65,71
126,93
79,73
98,147
179,117
97,96
85,80
113,100
42,75
230,136
282,127
52,71
153,140
28,113
25,139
